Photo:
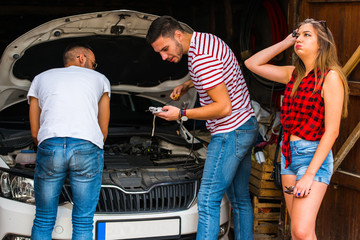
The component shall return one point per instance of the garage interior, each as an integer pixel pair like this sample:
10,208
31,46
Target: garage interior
247,26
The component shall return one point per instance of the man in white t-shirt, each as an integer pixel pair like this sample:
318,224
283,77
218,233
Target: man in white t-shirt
225,104
69,118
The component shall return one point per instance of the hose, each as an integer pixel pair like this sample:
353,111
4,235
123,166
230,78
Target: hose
279,30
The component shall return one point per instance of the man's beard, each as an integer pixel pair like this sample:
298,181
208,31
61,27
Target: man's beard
179,50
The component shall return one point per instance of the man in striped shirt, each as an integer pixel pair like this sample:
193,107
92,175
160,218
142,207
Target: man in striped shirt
225,104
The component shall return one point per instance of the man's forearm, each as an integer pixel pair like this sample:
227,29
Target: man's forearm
189,84
34,116
104,114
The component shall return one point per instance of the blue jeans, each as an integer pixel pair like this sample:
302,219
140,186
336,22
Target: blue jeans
84,161
227,169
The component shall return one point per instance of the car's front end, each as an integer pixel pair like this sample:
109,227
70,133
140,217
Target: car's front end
127,207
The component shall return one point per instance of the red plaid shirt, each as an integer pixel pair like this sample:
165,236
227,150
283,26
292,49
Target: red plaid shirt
303,114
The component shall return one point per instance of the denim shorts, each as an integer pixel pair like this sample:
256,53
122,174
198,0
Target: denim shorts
302,152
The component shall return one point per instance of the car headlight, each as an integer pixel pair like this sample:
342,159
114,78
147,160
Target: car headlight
17,188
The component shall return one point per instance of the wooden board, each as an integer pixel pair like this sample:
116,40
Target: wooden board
261,175
261,167
268,227
264,237
260,183
266,209
269,184
265,192
266,215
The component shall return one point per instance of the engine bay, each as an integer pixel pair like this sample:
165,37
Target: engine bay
134,163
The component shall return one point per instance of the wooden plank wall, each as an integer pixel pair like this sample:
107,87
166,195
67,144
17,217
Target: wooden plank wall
339,216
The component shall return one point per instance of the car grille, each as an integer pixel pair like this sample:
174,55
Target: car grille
161,197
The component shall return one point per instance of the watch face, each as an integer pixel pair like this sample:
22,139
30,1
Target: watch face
184,118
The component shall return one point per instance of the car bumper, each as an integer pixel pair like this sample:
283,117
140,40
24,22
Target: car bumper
16,219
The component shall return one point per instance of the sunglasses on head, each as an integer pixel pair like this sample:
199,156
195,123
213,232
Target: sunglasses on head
323,23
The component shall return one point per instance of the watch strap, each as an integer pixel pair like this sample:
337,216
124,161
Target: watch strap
182,113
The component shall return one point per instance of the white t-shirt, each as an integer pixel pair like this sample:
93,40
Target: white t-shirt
210,63
68,98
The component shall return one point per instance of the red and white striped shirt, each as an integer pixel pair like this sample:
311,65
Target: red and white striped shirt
210,63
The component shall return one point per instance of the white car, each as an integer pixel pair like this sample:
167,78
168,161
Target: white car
152,169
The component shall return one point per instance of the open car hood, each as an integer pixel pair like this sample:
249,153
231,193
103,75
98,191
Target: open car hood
118,40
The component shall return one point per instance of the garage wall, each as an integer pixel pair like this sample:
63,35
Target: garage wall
339,216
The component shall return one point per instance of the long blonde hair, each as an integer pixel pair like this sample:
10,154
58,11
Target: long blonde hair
326,59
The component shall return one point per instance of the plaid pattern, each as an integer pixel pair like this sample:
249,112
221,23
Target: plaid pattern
303,114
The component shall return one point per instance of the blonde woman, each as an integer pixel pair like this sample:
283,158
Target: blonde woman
315,99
